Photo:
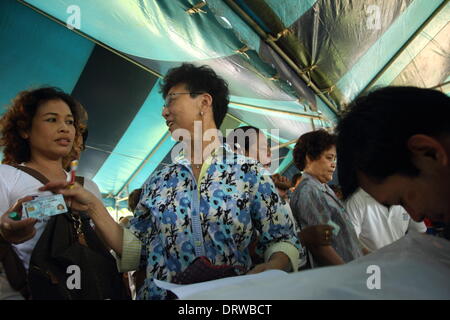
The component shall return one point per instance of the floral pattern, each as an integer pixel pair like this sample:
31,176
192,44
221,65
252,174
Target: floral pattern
237,199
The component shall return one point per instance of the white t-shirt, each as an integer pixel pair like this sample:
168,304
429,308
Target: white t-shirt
16,184
302,252
375,225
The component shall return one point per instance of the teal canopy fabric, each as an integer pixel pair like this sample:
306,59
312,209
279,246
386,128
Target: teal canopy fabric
291,65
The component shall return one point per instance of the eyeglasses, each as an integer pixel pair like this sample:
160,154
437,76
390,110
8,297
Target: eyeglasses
169,97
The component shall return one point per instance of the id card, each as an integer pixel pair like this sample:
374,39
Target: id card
46,206
336,228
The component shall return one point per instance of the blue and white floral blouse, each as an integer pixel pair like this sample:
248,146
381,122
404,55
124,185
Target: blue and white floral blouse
235,199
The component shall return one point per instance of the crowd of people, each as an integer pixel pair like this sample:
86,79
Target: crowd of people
223,209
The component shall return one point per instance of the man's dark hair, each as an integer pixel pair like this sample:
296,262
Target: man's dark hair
373,134
234,140
312,144
200,80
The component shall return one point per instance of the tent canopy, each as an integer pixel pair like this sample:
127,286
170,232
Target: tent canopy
291,65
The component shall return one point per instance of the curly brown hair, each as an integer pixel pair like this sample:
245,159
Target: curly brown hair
312,144
19,116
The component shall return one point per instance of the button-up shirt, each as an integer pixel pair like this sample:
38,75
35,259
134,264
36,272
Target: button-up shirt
232,199
315,203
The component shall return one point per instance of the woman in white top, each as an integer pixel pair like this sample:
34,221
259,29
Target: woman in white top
42,129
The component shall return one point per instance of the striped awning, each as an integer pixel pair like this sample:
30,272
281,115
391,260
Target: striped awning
291,65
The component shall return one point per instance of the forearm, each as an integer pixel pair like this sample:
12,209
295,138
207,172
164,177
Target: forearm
326,255
110,231
281,261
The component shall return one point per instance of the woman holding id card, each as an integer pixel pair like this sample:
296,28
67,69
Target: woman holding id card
41,130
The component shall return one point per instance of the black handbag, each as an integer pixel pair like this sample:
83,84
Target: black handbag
14,270
70,262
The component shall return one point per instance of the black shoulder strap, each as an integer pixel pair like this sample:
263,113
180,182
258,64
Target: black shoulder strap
34,173
40,177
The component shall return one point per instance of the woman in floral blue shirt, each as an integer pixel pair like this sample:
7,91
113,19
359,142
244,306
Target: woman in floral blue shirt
235,201
226,194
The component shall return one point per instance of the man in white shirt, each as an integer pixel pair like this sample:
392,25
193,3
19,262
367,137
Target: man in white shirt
376,225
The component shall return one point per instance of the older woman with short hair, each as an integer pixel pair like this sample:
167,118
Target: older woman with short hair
315,203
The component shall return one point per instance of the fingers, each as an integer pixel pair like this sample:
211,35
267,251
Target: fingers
253,271
54,186
318,234
327,234
17,231
63,188
21,239
17,207
75,195
12,225
258,268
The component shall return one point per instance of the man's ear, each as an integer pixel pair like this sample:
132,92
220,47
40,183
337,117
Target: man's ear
428,148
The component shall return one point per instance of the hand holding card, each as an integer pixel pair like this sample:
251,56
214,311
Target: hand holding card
336,228
46,206
80,198
20,229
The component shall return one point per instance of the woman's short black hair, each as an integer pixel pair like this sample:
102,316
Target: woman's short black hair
200,79
312,144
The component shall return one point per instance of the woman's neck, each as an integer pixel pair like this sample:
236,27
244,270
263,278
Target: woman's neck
313,174
201,149
52,169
